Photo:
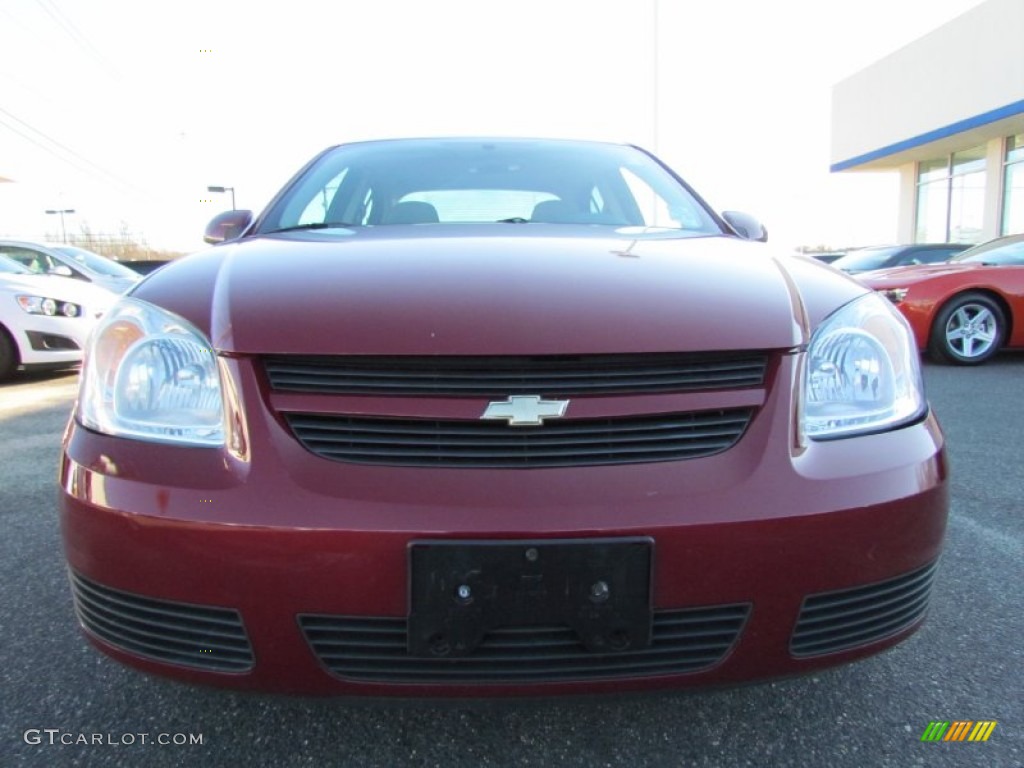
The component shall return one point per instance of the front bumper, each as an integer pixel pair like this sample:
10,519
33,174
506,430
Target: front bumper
278,570
52,340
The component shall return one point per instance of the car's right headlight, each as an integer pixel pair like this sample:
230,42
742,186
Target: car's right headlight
895,295
151,375
862,372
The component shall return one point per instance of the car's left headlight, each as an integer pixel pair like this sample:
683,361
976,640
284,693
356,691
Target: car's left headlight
151,375
862,372
43,305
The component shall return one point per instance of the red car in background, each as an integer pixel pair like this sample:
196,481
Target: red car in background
493,417
966,310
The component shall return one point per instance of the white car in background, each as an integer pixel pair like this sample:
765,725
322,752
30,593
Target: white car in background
45,319
71,261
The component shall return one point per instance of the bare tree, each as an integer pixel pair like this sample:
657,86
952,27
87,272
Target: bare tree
123,246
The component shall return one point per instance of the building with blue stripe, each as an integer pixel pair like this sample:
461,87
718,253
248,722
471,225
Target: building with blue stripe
947,113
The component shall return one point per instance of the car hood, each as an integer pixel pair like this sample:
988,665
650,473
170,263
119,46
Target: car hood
389,292
904,276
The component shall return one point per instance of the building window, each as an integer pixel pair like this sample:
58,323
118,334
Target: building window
951,198
932,201
1013,186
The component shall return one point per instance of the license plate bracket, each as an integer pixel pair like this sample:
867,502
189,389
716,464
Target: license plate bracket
461,590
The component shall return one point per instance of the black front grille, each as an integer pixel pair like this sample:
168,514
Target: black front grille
576,442
838,621
196,636
538,375
374,649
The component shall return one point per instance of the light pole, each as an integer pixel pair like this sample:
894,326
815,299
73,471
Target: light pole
225,189
63,229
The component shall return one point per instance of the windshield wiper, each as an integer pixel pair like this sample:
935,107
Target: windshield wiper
311,225
513,220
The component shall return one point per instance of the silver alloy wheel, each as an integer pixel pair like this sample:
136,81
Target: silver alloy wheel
972,330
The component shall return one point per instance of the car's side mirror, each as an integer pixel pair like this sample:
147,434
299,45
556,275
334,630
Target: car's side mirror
746,226
227,226
62,270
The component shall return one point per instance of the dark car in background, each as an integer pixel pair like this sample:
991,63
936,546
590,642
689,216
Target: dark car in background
827,257
496,417
885,256
144,266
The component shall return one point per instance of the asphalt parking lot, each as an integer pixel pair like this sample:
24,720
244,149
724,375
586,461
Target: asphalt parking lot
965,664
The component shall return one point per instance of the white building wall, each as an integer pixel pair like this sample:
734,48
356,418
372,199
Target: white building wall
965,69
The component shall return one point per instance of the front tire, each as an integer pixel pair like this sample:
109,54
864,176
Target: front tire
8,355
968,330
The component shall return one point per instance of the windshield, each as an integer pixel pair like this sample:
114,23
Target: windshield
497,181
1002,251
93,261
865,258
10,266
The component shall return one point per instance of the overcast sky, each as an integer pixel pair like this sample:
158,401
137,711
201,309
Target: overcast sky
126,110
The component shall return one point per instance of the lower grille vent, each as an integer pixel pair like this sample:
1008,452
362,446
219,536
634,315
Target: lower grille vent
838,621
374,649
196,636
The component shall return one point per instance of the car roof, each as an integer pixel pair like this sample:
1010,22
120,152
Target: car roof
431,140
28,243
909,246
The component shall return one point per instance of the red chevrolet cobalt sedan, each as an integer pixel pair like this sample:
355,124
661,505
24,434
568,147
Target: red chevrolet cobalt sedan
475,417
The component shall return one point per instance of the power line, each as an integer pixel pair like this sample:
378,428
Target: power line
45,148
110,177
21,24
75,34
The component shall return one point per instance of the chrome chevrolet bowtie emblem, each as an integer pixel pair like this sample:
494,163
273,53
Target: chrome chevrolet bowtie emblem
525,410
